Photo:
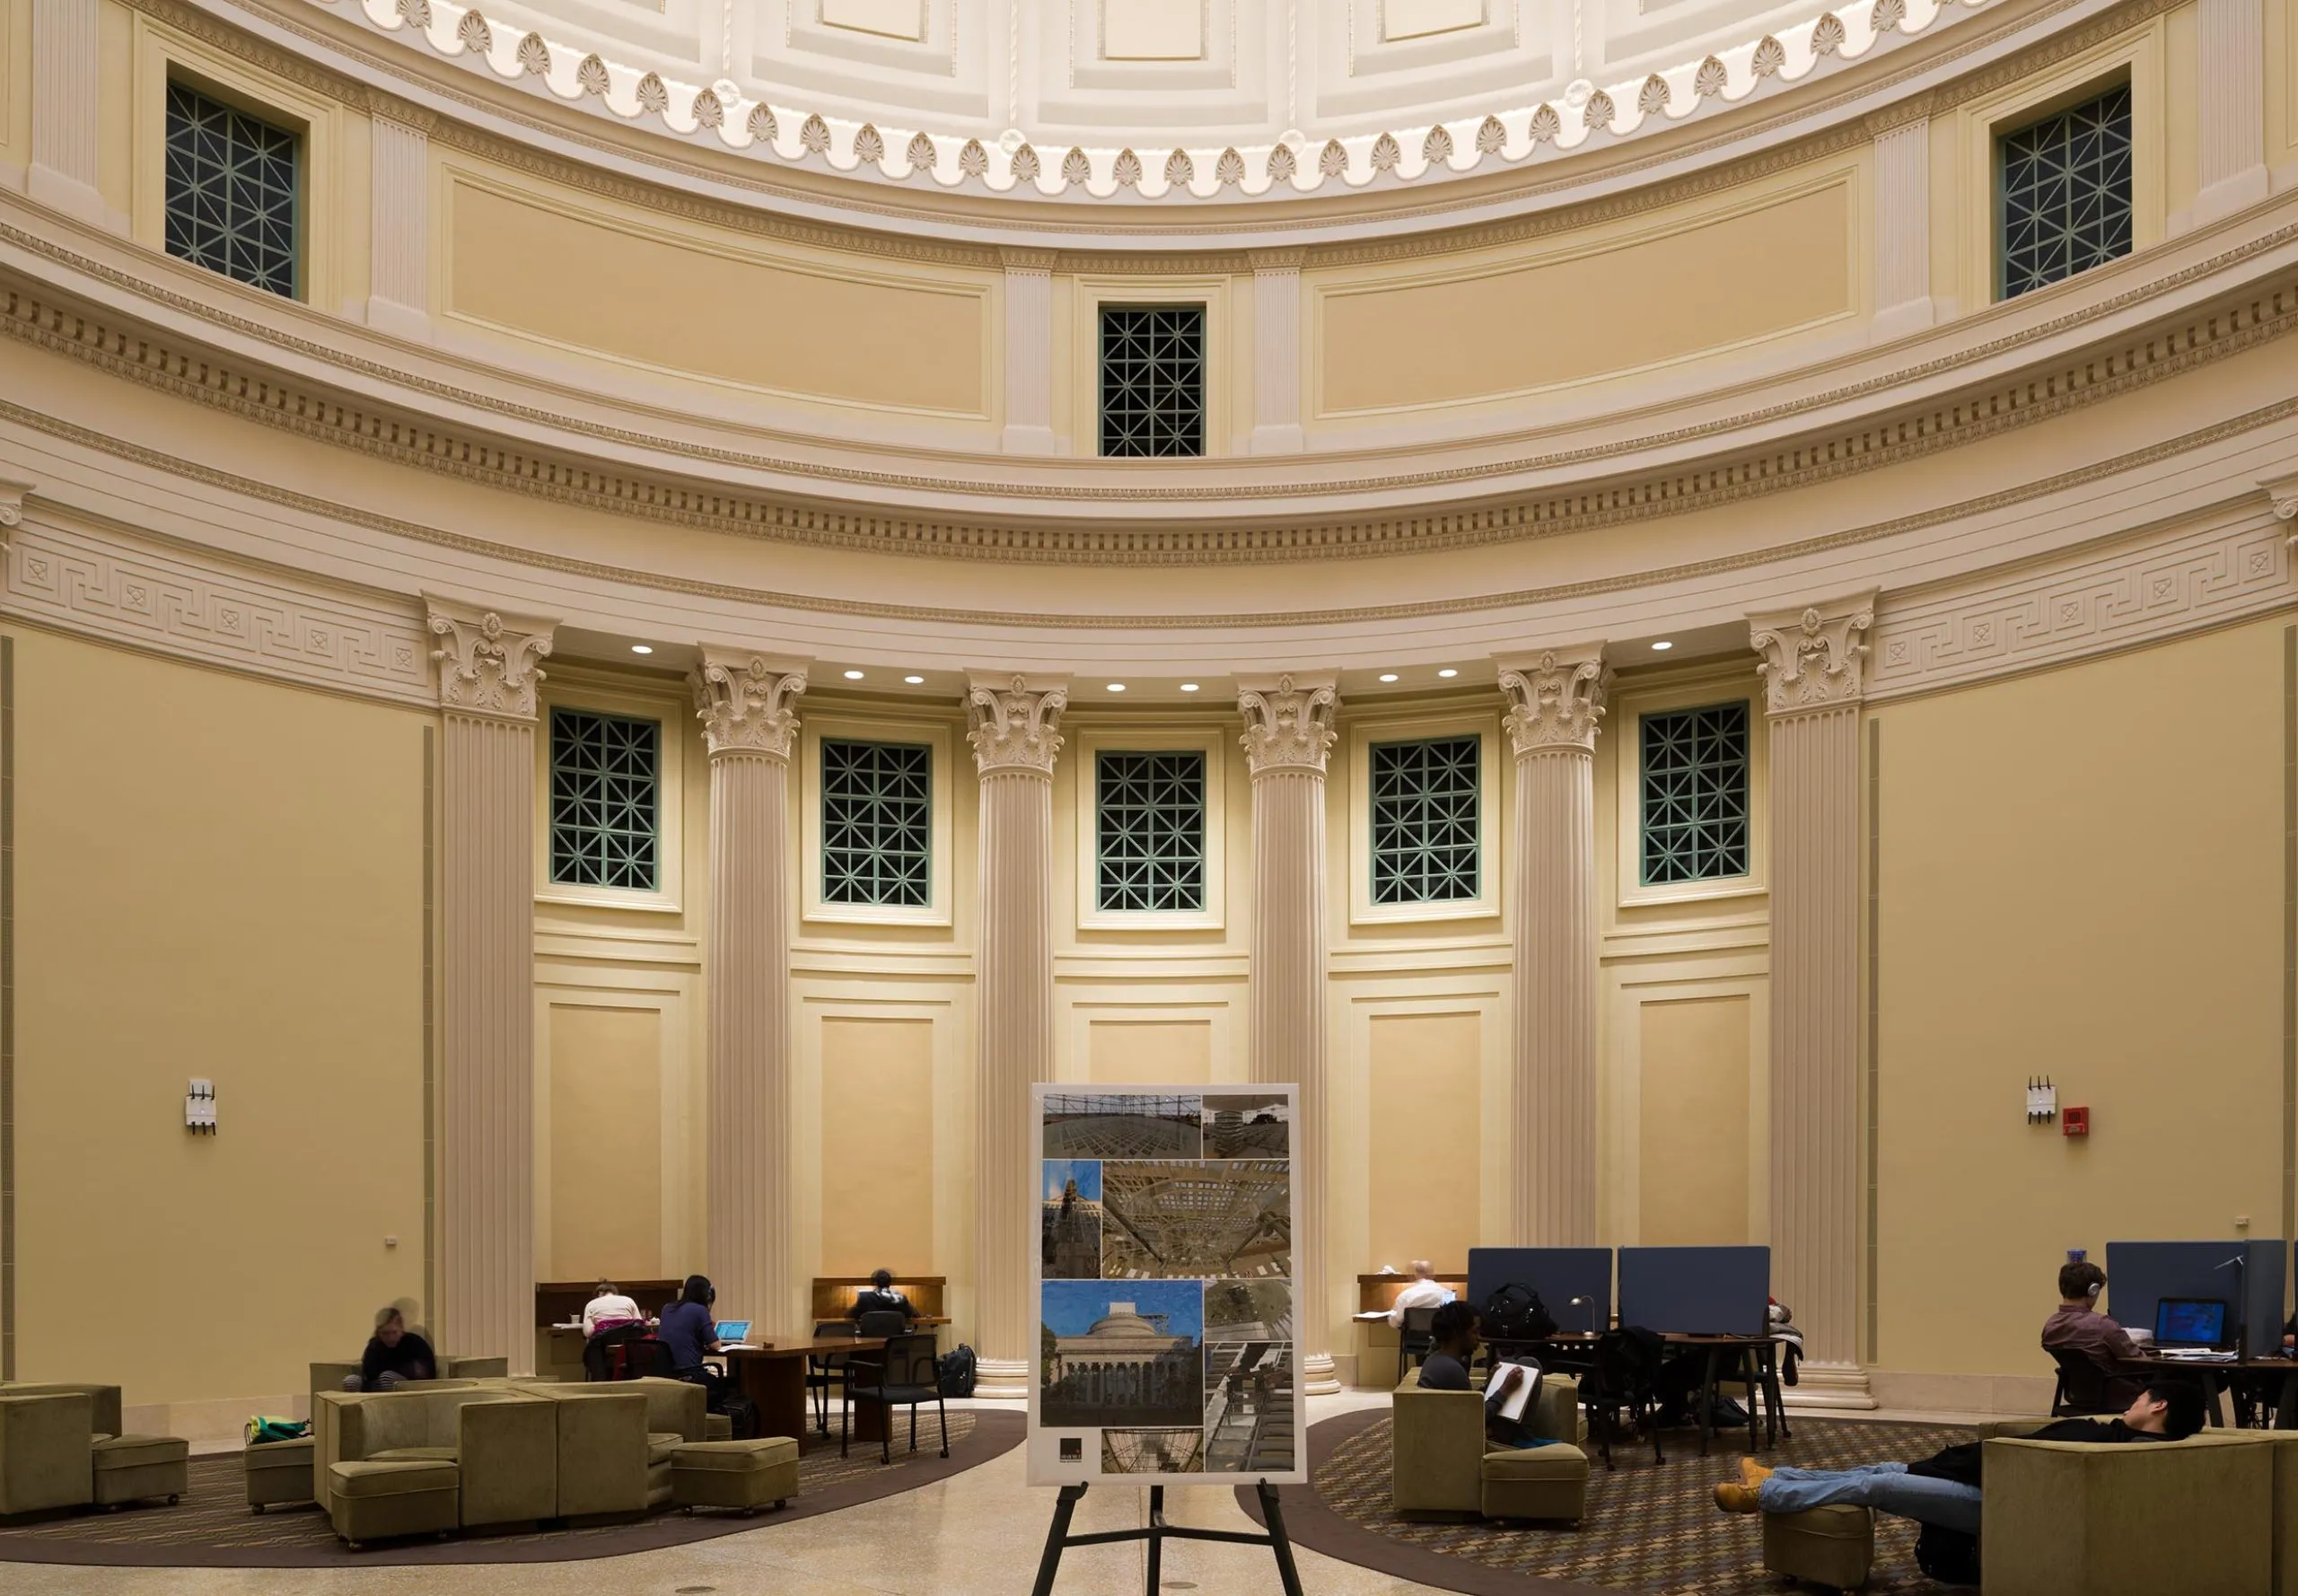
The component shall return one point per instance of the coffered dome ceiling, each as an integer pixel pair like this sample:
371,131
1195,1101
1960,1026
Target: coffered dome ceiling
1179,100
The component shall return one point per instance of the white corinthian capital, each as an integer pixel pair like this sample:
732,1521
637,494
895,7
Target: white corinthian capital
1556,698
487,661
1811,658
1011,723
1288,726
743,701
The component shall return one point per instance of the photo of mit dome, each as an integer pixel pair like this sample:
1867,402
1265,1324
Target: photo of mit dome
1127,1354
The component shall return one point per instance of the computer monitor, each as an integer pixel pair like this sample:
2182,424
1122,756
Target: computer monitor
732,1330
2190,1321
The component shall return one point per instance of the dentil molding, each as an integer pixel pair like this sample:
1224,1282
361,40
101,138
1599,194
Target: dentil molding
1811,658
1556,698
744,701
1011,723
487,665
1288,723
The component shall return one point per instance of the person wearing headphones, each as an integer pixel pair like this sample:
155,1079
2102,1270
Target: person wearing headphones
2077,1327
689,1332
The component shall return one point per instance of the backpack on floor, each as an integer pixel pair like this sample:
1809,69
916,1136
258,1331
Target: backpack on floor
1950,1556
743,1414
957,1372
1514,1312
261,1430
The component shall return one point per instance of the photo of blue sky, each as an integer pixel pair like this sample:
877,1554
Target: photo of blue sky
1070,1307
1060,1171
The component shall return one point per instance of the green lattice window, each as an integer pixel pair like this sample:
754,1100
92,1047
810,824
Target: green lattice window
606,785
877,823
231,192
1696,794
1149,823
2065,193
1153,381
1426,798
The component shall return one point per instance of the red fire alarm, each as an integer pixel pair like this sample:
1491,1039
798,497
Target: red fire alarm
2075,1122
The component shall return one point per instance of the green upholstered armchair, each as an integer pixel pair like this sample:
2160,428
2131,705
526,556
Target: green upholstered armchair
671,1413
2128,1520
503,1446
46,1450
103,1401
1441,1464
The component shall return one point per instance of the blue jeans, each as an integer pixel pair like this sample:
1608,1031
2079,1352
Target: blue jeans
1887,1488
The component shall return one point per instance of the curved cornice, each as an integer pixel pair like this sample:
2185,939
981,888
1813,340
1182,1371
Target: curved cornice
525,124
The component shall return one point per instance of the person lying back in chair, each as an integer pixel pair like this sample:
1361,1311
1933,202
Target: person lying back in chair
1944,1488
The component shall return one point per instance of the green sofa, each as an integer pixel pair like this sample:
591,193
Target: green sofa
45,1451
120,1468
1440,1466
435,1457
617,1439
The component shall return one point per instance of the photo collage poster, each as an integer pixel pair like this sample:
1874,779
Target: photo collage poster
1163,1287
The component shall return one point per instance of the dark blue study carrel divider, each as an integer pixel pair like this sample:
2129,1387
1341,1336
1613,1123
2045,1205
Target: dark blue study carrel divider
1697,1291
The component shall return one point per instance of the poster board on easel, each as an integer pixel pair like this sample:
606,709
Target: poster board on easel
1164,1349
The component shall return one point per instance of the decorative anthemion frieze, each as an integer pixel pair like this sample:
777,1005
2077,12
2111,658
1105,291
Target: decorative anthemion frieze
1811,659
1556,700
1288,726
1011,726
487,665
744,702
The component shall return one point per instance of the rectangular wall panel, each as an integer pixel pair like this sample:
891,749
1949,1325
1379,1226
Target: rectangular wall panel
1693,1158
1128,1053
1151,29
896,19
606,1142
1417,19
877,1146
1423,1182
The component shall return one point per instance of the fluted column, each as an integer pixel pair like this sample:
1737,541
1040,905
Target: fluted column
1903,302
1012,720
1288,734
487,677
2231,62
1555,701
398,226
1812,669
743,700
66,110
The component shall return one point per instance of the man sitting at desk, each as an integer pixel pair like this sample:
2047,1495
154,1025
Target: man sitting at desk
2076,1325
1944,1488
881,1298
1425,1291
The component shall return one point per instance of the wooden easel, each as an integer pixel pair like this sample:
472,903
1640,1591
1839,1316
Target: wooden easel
1157,1533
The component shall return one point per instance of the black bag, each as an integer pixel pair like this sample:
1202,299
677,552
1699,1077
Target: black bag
1950,1556
1514,1312
957,1371
742,1413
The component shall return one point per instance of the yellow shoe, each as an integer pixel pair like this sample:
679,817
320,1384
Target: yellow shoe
1732,1497
1753,1473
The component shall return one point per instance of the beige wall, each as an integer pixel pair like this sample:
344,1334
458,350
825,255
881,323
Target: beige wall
605,1143
1151,1053
220,877
2080,877
1694,1173
877,1159
1423,1181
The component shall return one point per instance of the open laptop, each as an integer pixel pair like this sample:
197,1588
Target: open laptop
734,1332
2191,1323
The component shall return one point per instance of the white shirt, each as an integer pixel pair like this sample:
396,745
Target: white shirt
1420,1293
607,1308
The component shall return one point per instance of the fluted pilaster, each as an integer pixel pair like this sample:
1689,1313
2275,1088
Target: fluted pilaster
1811,666
1029,352
66,106
1288,735
1013,721
743,700
1555,699
2231,62
1276,351
399,227
488,678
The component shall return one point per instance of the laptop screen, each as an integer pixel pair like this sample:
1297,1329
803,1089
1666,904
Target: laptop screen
734,1329
2190,1321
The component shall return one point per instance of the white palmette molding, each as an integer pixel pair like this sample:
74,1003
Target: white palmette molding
1014,721
1903,302
399,228
1555,699
1812,664
1276,352
66,106
743,700
488,671
1288,735
1029,352
2231,59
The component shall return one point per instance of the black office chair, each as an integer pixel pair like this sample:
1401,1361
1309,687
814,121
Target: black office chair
882,1322
1619,1382
1416,1340
824,1369
598,1352
2083,1388
908,1372
641,1357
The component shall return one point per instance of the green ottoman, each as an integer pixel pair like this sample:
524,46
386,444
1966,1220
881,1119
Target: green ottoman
375,1501
279,1472
132,1468
742,1475
1822,1546
1535,1482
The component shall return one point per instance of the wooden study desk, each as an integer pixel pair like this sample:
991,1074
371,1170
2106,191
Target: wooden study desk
1379,1362
2215,1376
773,1378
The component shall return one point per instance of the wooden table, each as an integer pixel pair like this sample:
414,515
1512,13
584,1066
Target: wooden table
773,1378
2214,1377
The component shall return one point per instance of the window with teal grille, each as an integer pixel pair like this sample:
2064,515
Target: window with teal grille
1427,797
1149,825
2065,193
606,785
877,823
1695,794
1153,381
231,194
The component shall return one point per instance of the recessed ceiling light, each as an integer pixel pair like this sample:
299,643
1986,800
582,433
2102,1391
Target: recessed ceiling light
1448,672
1387,676
640,648
853,676
1188,687
1117,687
1662,646
913,680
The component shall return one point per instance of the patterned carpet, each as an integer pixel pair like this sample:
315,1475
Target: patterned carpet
1650,1527
212,1527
